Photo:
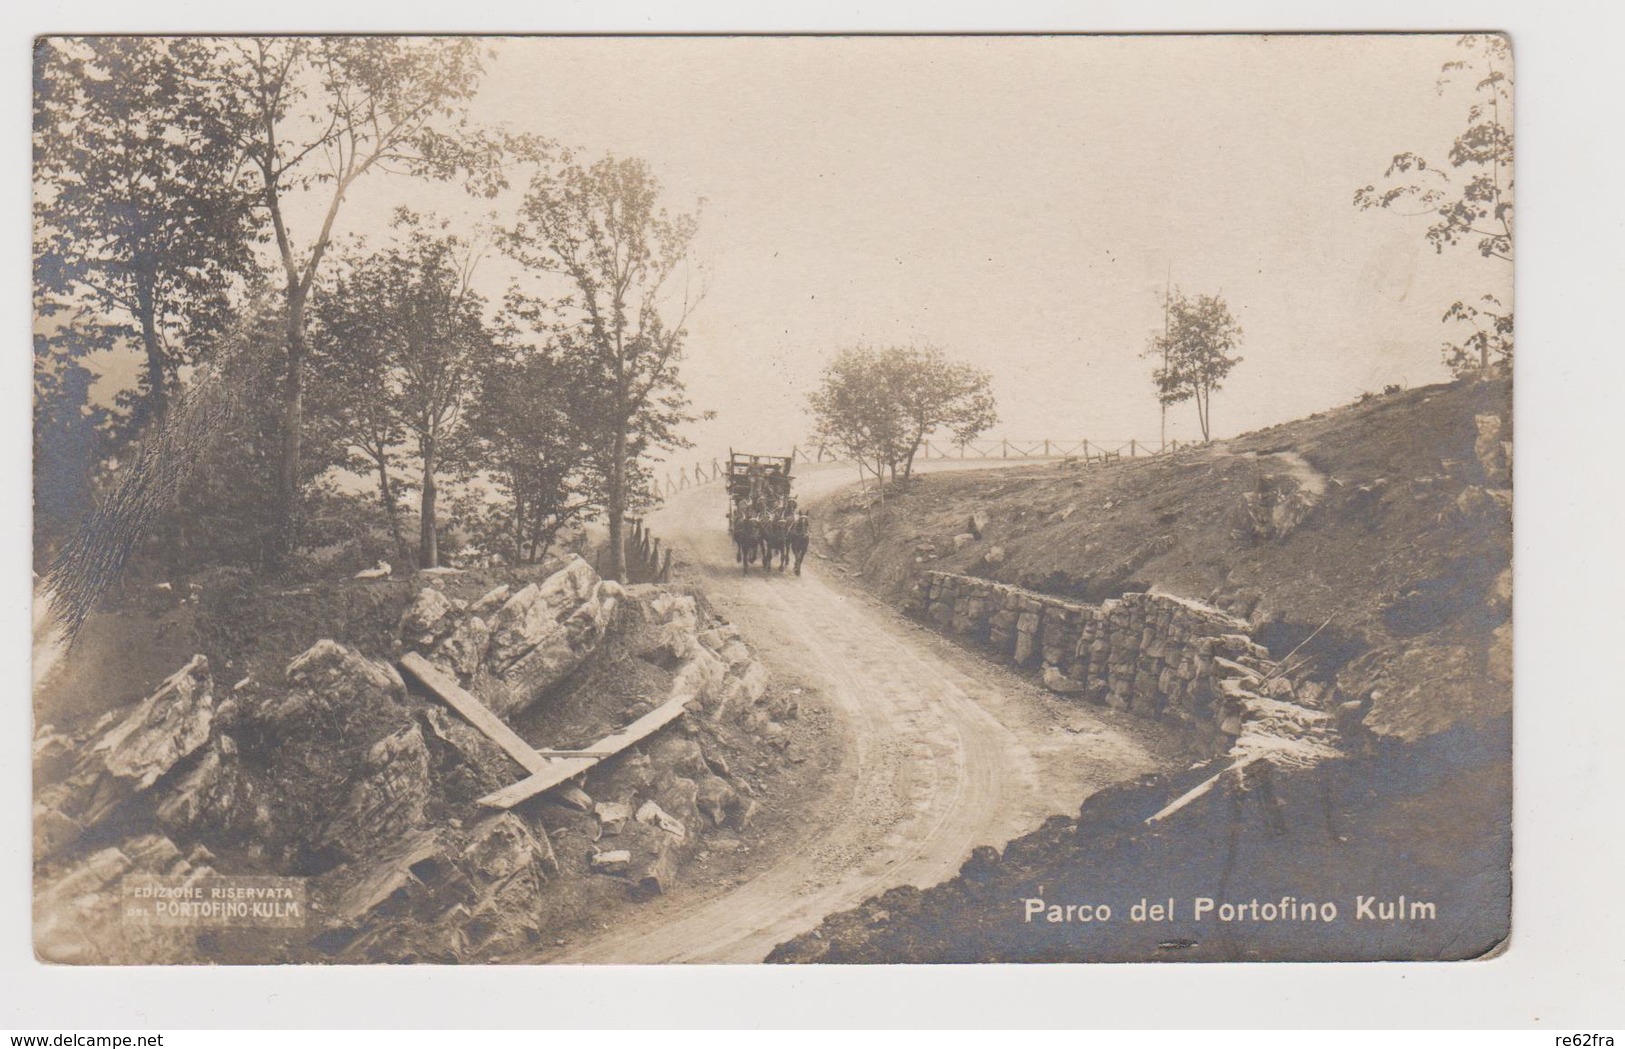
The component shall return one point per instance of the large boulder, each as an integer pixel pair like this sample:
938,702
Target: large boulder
213,797
659,625
79,913
446,633
699,677
389,799
330,679
542,633
129,754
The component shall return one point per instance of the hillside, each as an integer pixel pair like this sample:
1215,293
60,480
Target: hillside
1387,521
1367,549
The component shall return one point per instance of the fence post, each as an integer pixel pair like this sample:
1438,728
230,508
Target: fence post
1004,448
665,569
1132,450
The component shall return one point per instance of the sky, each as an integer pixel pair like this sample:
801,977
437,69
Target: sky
1021,203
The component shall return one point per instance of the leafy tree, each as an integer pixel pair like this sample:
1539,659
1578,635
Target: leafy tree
1470,203
354,412
530,438
323,113
1196,353
935,392
856,409
140,212
602,228
202,478
402,338
69,436
879,405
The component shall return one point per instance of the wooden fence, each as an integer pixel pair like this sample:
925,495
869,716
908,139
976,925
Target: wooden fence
992,449
646,562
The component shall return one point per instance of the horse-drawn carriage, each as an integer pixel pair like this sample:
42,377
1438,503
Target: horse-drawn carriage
763,519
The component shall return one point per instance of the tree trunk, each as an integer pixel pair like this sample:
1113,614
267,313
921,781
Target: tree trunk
617,505
519,545
386,495
157,381
428,549
286,522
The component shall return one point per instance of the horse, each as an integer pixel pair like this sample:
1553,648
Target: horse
800,536
775,540
747,541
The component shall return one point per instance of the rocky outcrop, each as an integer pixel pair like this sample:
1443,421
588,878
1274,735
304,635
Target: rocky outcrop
121,758
368,793
511,647
442,895
79,913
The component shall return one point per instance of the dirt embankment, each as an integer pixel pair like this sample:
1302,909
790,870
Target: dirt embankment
1369,548
1389,522
288,745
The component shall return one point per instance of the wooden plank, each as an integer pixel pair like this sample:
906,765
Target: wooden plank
475,712
1200,789
559,771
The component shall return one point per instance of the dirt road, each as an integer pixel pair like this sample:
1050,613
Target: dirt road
946,750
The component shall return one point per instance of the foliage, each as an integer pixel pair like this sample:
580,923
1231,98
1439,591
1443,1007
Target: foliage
879,405
1475,204
142,225
621,254
533,443
1195,354
198,489
934,393
324,112
69,442
401,339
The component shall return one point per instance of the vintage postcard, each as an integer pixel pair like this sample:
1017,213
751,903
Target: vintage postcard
793,499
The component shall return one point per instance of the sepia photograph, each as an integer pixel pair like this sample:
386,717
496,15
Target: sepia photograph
826,499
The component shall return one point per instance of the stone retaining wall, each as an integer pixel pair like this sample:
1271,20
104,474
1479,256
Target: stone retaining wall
1155,655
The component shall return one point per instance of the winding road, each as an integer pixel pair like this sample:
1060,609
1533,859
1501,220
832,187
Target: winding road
947,751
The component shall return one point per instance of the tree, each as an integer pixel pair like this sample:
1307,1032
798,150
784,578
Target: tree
354,413
140,210
1472,206
402,336
935,392
857,409
1196,353
324,112
69,433
602,228
531,439
203,468
879,405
